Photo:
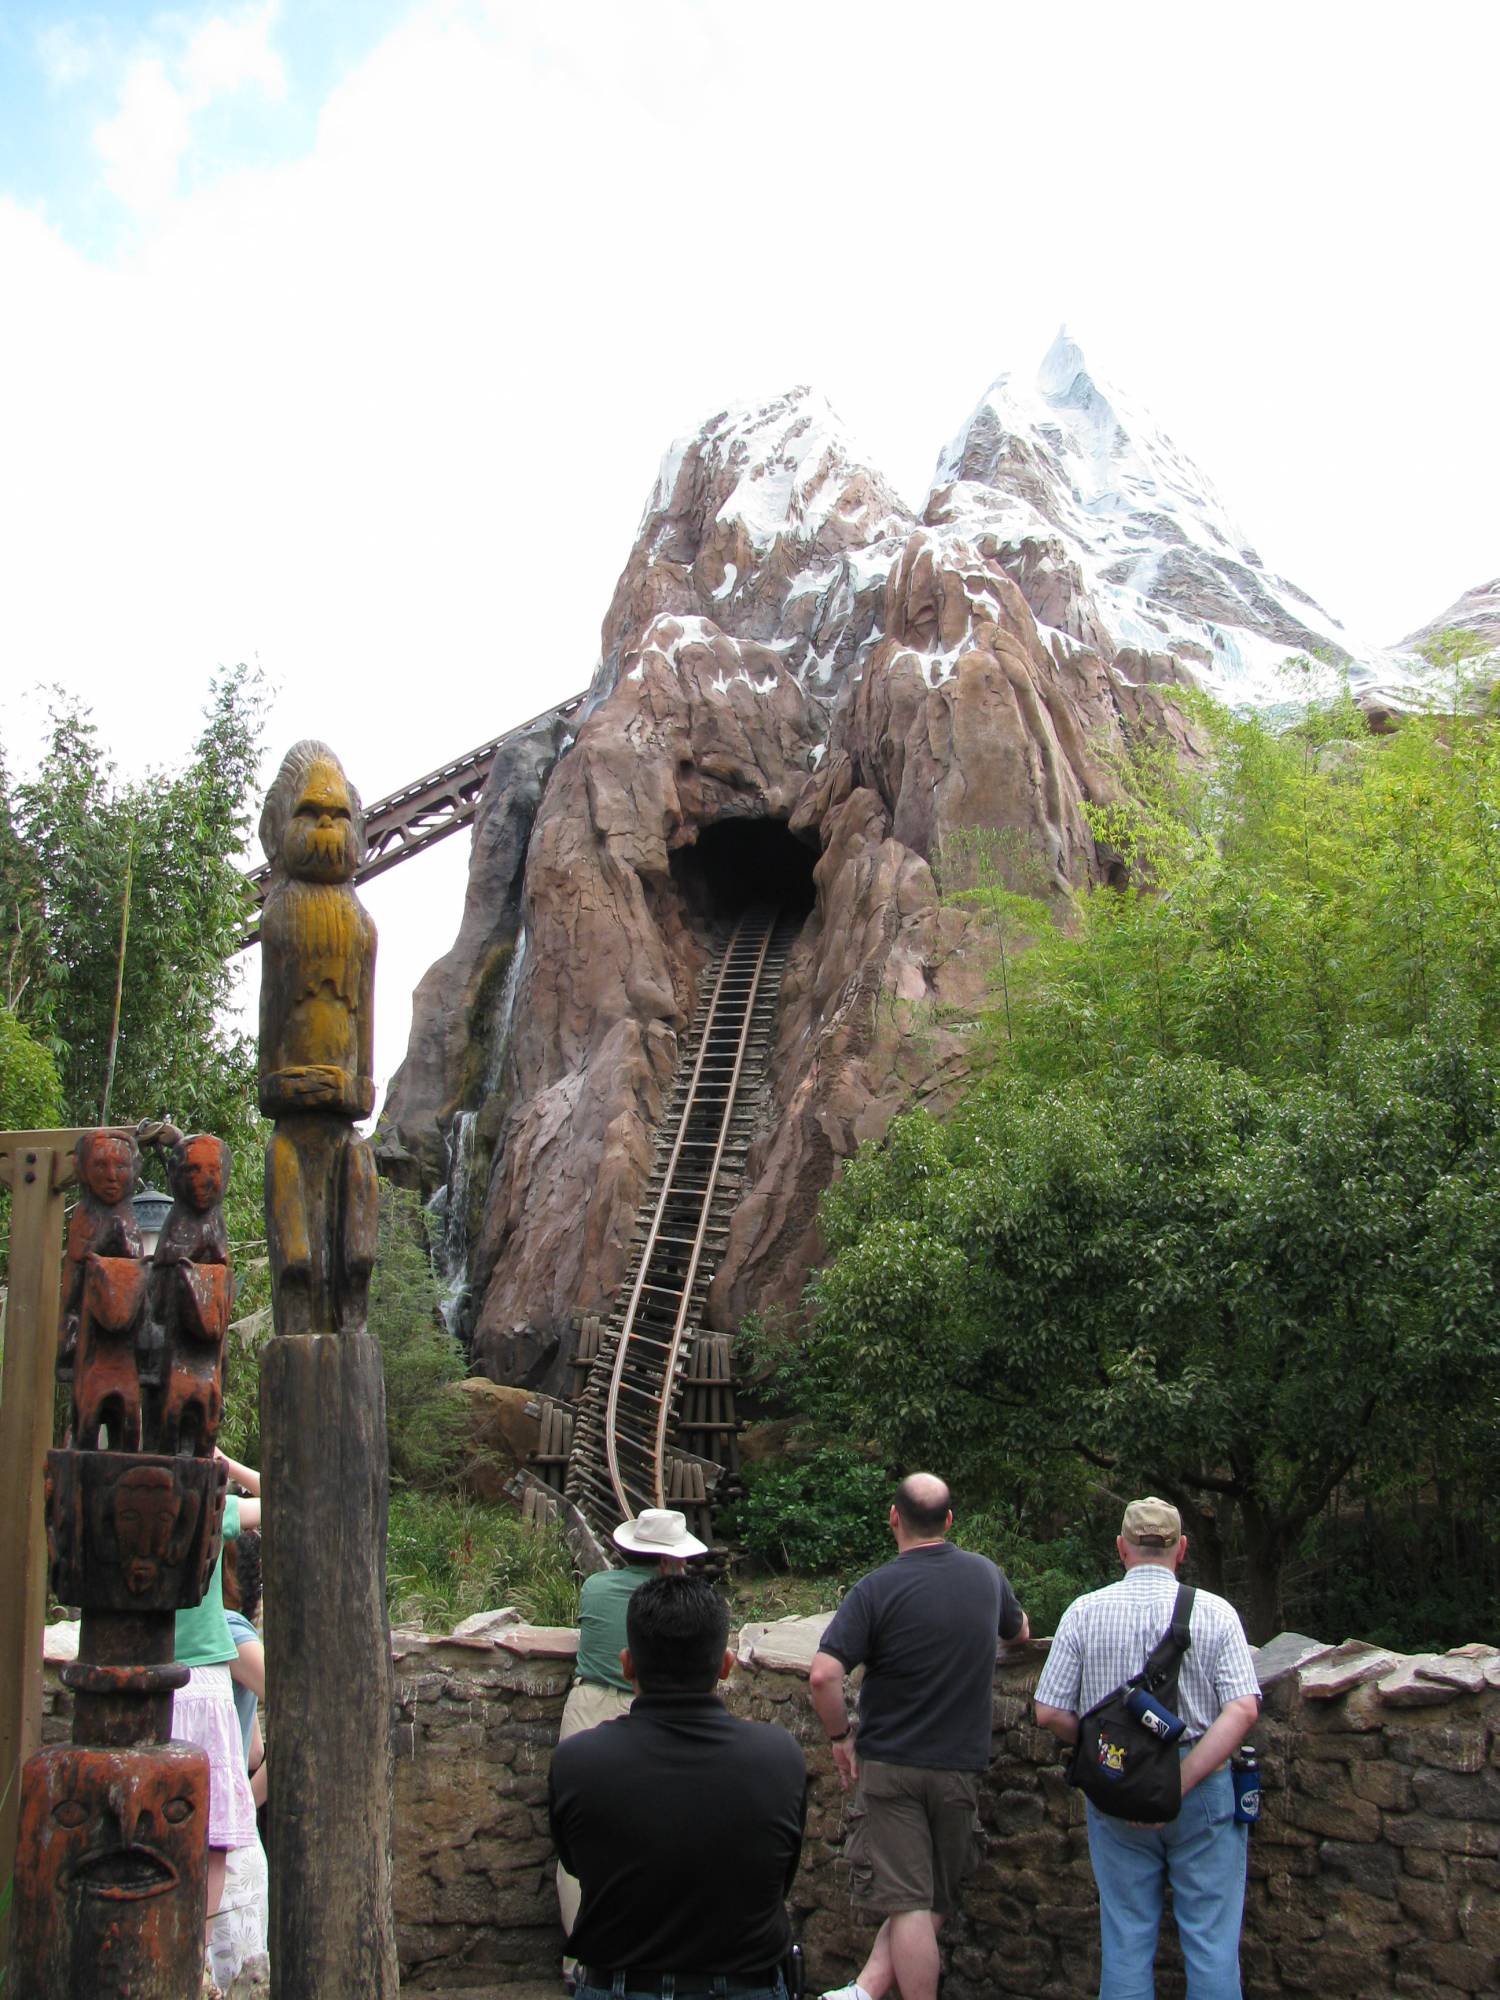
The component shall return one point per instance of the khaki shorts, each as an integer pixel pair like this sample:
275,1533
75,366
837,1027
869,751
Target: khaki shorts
913,1837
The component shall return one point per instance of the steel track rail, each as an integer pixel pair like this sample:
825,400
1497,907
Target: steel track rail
733,974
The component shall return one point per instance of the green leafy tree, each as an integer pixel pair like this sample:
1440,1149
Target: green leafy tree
121,908
1304,882
30,1091
1194,1283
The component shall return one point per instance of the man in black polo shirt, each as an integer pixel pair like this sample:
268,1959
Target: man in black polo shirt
682,1823
924,1628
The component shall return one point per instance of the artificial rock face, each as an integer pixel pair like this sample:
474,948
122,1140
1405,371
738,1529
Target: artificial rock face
792,656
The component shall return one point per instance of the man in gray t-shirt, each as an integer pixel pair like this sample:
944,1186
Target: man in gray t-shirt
924,1628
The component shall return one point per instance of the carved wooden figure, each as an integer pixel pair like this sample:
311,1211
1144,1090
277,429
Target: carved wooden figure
112,1902
322,1404
316,1047
191,1294
111,1863
106,1370
103,1224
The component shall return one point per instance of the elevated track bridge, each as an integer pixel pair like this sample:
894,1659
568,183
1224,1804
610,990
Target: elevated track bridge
419,815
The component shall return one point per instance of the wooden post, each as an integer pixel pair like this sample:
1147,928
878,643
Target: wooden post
322,1406
36,1167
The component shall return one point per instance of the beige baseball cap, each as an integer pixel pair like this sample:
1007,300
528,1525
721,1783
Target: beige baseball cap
1152,1524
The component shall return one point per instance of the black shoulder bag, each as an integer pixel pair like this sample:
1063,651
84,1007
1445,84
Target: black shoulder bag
1130,1768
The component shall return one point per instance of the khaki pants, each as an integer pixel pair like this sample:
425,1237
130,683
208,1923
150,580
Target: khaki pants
587,1706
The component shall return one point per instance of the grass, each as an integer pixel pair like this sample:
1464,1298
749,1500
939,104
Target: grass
448,1558
761,1599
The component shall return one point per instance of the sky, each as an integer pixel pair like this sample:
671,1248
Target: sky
346,339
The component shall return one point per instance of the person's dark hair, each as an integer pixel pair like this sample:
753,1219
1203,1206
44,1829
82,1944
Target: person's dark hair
229,1575
923,1503
676,1627
637,1560
247,1572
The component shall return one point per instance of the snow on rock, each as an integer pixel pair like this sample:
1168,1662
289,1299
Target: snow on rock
1082,497
769,523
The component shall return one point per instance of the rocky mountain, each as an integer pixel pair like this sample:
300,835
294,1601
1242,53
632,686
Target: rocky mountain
1477,611
1078,492
806,689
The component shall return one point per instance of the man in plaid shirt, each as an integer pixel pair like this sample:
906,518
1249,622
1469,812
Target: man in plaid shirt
1102,1640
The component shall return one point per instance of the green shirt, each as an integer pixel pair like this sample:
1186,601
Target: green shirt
203,1637
601,1622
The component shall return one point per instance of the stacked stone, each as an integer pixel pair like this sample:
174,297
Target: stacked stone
474,1727
1375,1869
1376,1866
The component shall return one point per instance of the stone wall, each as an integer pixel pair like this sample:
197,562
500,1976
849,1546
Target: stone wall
1375,1869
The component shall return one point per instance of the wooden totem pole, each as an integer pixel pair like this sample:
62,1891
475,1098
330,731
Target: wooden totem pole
322,1402
112,1848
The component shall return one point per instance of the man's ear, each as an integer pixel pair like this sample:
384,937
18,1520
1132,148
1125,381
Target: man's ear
726,1665
627,1665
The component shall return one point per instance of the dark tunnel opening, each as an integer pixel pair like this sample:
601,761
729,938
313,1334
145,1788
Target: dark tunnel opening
737,862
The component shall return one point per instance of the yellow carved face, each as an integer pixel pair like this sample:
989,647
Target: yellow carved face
319,843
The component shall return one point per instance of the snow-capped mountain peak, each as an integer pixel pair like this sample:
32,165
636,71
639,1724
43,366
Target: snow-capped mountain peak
1076,461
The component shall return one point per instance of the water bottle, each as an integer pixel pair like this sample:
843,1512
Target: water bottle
1150,1714
1246,1768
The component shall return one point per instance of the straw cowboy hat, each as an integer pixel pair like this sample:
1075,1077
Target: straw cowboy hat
658,1531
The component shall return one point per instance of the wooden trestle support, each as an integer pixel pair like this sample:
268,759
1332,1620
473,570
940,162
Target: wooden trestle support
652,1420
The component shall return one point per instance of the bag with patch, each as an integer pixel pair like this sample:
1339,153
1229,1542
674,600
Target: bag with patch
1124,1760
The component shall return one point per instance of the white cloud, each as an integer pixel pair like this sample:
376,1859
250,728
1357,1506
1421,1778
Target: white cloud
147,137
384,417
67,55
165,88
233,52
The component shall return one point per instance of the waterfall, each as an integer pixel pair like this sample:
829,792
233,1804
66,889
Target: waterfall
450,1205
504,1014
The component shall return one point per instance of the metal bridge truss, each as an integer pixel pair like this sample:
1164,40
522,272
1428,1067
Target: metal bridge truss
424,812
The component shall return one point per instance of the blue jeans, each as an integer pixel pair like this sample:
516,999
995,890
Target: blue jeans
725,1982
1202,1854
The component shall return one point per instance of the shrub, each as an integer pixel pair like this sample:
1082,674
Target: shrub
448,1558
826,1514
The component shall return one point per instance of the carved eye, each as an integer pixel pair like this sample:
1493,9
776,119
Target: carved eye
177,1810
70,1812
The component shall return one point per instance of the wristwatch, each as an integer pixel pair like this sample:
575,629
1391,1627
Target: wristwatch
847,1730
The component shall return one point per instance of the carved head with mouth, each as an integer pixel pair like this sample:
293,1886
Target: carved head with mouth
120,1839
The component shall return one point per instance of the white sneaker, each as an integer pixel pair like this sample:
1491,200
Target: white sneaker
853,1991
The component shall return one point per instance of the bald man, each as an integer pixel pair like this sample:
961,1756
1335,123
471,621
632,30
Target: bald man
924,1627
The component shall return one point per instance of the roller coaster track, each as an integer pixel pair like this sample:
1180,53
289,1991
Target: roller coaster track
622,1455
